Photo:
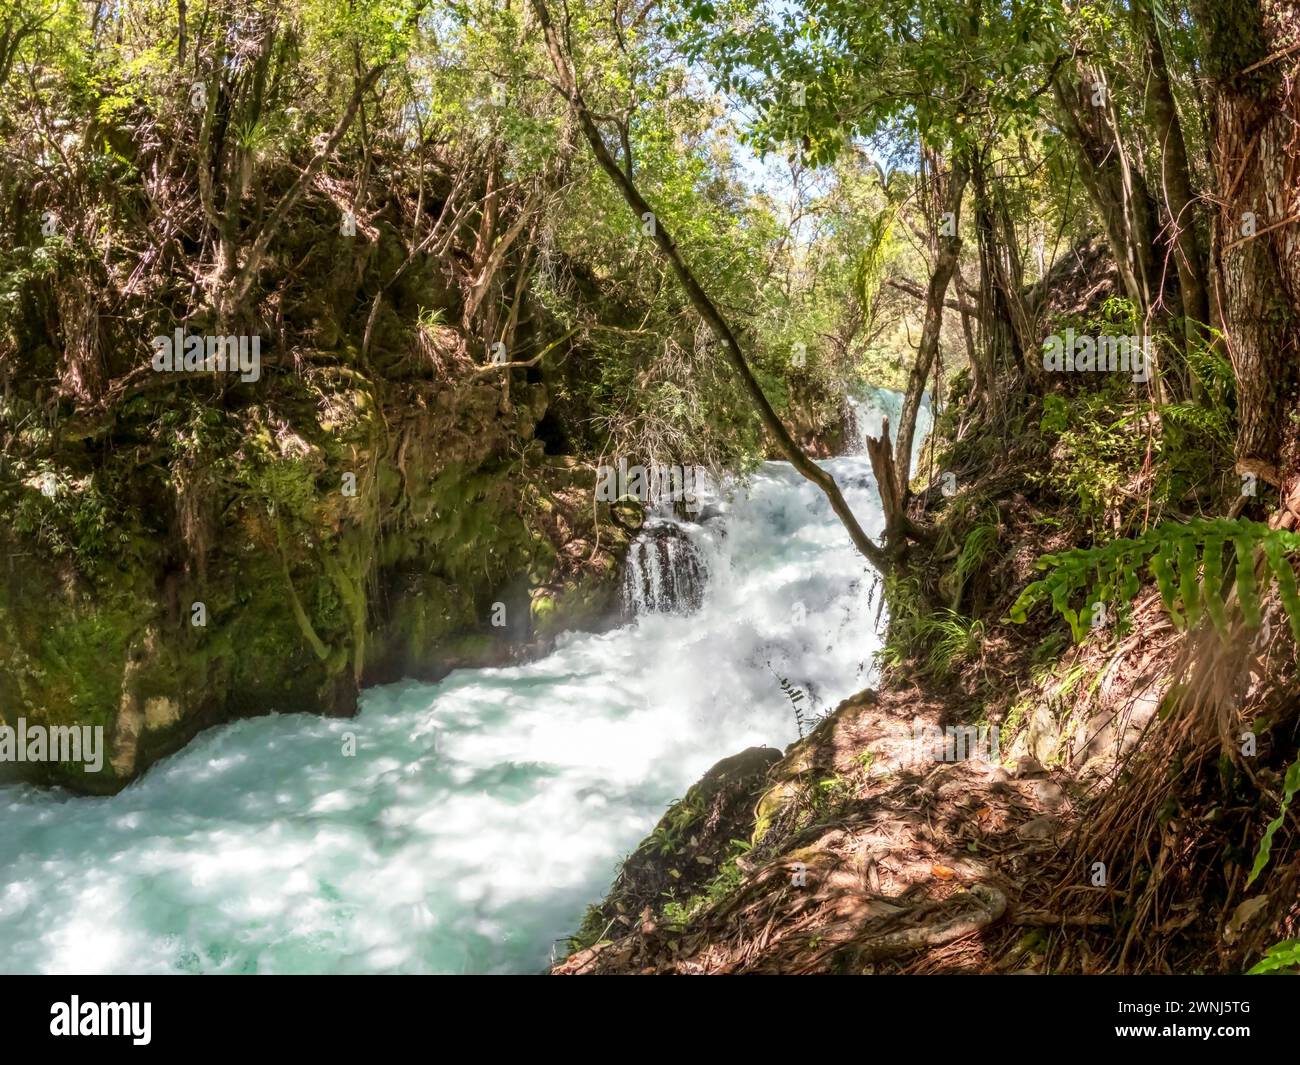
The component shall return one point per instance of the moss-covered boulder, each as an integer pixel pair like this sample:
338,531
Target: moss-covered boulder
684,860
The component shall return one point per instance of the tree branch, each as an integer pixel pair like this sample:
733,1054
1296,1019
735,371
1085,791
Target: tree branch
700,300
244,279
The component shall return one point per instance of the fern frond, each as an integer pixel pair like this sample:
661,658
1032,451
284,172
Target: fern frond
1186,561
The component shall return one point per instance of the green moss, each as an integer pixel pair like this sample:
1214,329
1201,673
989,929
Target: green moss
543,609
64,667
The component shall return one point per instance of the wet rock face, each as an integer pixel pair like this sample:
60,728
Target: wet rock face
663,572
435,564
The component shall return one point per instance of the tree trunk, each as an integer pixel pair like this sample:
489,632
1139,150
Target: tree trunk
1003,360
949,195
1180,200
1255,110
1119,194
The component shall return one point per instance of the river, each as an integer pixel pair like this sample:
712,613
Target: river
480,815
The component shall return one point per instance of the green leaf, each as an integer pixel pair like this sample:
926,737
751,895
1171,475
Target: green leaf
1247,591
1280,564
1212,589
1188,587
1163,573
1290,786
1284,955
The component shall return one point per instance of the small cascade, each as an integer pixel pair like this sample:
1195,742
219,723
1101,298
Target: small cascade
865,415
855,434
664,572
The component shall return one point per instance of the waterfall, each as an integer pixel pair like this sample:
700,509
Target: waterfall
866,413
664,571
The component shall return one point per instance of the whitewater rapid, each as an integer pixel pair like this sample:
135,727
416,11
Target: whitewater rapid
480,815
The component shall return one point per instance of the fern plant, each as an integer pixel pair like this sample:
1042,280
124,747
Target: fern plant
1289,788
1281,958
1214,416
1284,956
1187,562
802,721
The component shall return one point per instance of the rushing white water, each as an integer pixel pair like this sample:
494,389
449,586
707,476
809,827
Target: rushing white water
480,815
